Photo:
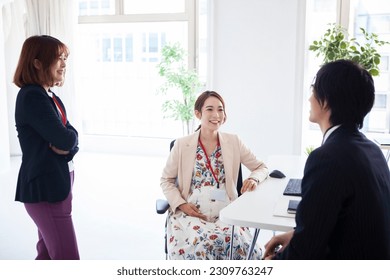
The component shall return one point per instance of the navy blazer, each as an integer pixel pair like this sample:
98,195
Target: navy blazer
345,207
43,174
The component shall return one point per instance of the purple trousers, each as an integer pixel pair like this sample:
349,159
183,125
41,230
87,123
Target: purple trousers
57,238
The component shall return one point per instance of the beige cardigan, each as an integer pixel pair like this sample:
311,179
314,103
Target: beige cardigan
181,162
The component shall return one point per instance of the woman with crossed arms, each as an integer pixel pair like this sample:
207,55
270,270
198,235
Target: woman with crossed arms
48,143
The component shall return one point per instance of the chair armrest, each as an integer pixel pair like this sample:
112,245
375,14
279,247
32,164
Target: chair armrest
162,206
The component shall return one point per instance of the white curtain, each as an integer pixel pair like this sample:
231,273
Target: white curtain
50,17
57,18
4,139
12,35
22,19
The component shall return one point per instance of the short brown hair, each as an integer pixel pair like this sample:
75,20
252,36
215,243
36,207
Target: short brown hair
46,49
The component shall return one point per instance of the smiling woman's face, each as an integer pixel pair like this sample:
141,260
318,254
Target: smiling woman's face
58,70
212,115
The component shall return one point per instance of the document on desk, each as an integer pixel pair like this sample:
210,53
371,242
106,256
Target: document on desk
281,206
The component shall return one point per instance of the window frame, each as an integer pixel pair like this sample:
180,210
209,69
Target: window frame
189,15
131,144
343,18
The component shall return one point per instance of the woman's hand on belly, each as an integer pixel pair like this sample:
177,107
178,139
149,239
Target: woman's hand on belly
191,210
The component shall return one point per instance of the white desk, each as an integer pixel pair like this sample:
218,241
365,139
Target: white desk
257,209
384,144
383,141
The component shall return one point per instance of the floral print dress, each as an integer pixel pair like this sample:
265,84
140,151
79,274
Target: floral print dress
191,238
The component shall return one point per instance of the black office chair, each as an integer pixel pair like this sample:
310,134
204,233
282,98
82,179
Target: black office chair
162,205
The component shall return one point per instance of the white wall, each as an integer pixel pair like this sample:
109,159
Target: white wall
257,67
4,138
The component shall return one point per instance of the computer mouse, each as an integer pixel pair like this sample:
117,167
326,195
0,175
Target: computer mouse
277,174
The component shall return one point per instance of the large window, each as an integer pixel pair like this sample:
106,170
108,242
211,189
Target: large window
318,14
373,16
120,43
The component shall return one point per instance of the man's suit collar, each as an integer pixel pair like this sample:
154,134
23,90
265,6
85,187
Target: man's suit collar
343,129
328,132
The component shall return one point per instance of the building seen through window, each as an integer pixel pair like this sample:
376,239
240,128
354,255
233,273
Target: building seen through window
118,77
374,17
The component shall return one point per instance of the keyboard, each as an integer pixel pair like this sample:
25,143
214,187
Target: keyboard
293,187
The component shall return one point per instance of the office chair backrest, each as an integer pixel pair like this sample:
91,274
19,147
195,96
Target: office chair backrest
239,180
171,145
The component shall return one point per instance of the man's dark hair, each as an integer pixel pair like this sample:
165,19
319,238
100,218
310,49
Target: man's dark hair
347,90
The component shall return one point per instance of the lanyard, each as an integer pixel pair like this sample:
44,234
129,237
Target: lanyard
208,164
62,113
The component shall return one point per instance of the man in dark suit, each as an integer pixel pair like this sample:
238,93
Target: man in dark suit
345,208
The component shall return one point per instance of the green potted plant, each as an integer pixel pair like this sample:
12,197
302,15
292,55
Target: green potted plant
309,149
180,86
334,45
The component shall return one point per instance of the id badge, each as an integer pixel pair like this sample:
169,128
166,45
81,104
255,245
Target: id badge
219,195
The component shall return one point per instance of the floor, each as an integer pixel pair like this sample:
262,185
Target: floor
113,210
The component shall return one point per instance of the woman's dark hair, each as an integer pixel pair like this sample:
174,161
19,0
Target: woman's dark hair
202,99
347,90
44,48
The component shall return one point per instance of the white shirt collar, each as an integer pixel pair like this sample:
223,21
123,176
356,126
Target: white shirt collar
329,132
49,93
